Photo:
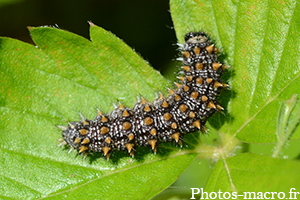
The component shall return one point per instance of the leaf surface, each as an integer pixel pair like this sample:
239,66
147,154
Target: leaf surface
50,84
259,175
260,40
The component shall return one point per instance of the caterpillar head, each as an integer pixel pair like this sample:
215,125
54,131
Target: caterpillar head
196,37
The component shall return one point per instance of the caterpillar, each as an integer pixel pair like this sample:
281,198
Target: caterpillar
167,119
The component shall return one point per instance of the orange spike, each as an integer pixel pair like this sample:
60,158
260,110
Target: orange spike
153,132
178,85
107,157
152,143
192,115
148,121
175,136
174,125
220,107
197,50
181,78
83,132
225,67
72,126
129,147
186,88
85,123
130,136
125,113
155,150
199,81
225,85
108,140
83,148
121,107
171,92
183,107
104,130
104,119
197,124
77,140
126,126
194,95
216,66
167,116
105,150
85,141
147,108
189,78
165,104
204,98
199,66
143,101
209,80
217,50
180,143
186,68
177,97
132,154
99,112
161,96
211,105
218,84
209,49
186,54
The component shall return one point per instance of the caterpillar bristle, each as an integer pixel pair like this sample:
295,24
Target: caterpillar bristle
71,149
61,142
115,106
63,128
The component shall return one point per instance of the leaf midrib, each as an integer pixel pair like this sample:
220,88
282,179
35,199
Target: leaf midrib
20,183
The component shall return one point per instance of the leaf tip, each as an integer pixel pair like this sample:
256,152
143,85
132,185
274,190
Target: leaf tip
30,28
91,24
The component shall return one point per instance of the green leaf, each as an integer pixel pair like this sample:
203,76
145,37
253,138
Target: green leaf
67,74
49,85
259,174
260,40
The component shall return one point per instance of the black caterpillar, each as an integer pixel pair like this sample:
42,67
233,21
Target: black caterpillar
184,111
